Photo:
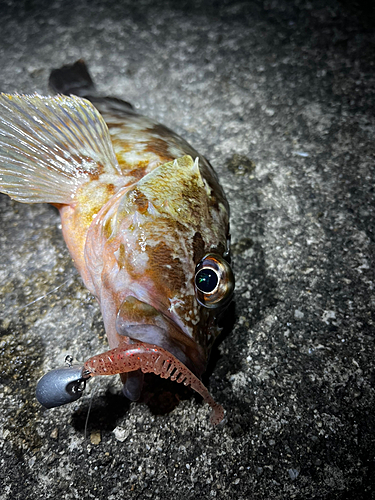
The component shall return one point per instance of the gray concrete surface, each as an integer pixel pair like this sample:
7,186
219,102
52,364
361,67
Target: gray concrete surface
280,96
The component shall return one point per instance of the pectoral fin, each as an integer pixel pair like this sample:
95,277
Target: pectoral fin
50,146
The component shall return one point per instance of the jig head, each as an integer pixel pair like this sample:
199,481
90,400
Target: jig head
61,386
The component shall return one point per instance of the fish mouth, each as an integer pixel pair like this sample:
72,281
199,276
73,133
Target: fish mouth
148,358
141,322
131,359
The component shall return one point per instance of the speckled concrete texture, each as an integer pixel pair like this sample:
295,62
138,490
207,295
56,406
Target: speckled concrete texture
279,95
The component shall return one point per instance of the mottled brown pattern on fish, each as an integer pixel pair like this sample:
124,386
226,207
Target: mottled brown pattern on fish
140,171
198,247
91,198
95,174
107,228
191,196
81,161
111,189
112,125
137,311
161,258
160,148
120,148
121,145
160,130
121,259
140,201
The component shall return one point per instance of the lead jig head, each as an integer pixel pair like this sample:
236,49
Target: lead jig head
61,386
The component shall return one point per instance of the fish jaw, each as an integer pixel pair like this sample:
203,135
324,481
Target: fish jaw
142,322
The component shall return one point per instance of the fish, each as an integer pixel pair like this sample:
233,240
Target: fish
145,220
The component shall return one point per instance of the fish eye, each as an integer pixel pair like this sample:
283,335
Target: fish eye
214,281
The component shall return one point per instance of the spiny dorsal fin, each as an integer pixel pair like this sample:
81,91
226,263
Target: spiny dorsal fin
49,146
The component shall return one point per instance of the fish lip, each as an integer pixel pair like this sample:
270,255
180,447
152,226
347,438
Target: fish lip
159,329
138,328
152,334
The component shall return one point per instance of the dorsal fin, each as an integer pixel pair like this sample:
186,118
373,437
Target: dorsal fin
49,146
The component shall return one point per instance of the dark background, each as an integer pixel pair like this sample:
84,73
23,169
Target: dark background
279,95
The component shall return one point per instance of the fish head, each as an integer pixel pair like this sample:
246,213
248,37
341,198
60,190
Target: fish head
168,238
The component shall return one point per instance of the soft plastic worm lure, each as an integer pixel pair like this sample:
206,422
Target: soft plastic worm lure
66,385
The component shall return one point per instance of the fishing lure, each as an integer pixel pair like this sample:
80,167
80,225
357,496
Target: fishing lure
145,220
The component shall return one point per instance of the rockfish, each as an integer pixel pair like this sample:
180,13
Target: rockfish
144,218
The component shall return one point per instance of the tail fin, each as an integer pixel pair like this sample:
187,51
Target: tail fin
75,79
50,146
72,79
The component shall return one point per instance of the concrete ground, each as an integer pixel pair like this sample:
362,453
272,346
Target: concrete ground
279,95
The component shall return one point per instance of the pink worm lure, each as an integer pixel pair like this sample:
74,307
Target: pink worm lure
150,358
